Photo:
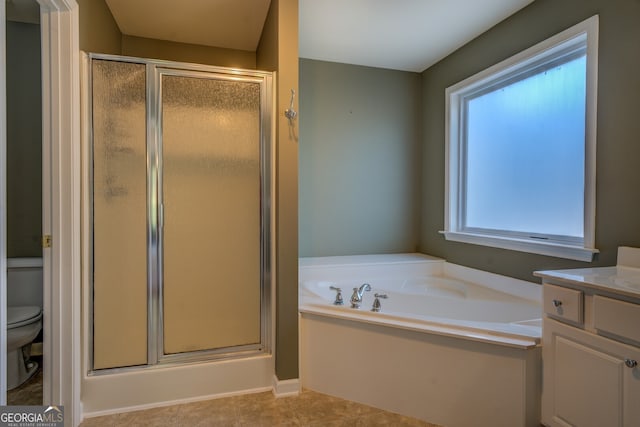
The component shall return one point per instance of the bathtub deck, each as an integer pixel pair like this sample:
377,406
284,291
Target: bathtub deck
524,343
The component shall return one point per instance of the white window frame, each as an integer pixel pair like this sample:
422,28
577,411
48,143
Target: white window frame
586,31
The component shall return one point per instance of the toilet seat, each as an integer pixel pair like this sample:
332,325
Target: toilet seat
23,315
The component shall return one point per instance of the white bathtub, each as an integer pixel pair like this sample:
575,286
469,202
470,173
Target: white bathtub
451,345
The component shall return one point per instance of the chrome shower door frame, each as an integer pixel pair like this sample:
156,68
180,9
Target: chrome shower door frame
265,162
155,69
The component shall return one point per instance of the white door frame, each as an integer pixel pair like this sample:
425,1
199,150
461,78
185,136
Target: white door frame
61,204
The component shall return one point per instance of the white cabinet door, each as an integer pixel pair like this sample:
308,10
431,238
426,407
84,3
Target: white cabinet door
587,384
587,381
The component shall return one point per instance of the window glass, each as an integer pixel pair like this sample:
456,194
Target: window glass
521,144
525,154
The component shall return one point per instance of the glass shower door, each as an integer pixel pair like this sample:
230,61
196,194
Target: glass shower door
179,168
119,206
210,188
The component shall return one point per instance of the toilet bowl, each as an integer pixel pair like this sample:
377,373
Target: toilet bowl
24,317
23,325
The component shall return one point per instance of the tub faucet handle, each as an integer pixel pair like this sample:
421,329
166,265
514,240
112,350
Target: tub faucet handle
338,300
376,302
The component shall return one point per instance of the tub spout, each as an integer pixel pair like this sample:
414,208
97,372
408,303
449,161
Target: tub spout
356,297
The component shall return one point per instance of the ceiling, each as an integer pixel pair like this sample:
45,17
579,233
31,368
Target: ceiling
408,35
233,24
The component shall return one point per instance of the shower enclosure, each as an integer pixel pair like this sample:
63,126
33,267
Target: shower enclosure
180,159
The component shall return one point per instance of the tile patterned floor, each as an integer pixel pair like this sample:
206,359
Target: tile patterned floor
309,409
29,393
261,409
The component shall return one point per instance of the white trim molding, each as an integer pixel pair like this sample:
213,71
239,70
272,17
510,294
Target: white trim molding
61,204
521,245
285,388
572,41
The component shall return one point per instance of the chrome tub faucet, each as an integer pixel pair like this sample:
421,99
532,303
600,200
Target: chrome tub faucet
356,297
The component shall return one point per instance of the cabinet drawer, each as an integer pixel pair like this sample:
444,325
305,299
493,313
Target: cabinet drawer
617,317
563,303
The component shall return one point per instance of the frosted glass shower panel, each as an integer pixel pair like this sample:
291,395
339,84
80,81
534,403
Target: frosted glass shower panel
211,197
119,214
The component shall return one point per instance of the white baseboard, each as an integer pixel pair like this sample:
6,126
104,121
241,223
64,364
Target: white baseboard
173,402
286,387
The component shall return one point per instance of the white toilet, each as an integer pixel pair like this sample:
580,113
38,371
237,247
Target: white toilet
24,317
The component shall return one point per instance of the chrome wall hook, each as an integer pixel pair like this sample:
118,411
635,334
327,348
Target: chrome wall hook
290,113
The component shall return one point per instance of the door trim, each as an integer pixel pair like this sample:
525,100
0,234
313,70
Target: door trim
61,204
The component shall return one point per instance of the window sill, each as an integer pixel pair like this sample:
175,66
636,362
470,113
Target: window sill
577,253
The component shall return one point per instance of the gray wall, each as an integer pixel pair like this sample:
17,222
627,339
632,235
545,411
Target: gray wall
278,51
359,183
24,140
361,190
618,136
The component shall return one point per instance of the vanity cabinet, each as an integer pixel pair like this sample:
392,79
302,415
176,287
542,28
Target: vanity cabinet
591,348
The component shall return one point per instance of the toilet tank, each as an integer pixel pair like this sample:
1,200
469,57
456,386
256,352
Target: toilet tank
24,281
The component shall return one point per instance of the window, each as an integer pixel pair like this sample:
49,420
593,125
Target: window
521,150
